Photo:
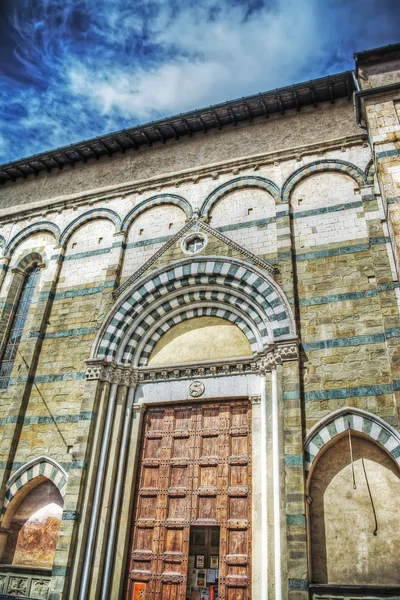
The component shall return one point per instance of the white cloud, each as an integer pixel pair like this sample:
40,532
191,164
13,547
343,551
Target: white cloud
91,67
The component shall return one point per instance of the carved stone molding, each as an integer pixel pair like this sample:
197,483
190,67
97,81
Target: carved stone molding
217,369
255,399
111,372
276,355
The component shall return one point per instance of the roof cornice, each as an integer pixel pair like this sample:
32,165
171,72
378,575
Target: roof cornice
217,116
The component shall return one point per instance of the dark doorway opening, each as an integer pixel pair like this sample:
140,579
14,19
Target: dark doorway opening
203,563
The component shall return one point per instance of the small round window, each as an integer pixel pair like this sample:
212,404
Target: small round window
194,243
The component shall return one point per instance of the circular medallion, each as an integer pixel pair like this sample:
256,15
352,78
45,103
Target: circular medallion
196,389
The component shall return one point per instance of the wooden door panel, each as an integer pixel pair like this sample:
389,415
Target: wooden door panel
195,470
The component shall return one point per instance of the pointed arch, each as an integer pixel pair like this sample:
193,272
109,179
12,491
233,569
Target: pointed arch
90,215
321,166
42,466
156,201
236,184
336,424
226,283
30,230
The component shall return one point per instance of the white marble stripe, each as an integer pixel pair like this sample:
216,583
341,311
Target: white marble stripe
312,448
391,443
324,433
375,431
340,425
358,422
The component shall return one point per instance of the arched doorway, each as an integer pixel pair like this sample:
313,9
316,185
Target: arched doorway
195,345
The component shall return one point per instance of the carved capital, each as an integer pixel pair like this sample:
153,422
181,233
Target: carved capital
255,399
276,355
138,408
287,351
111,372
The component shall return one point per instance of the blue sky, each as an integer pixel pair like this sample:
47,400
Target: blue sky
74,69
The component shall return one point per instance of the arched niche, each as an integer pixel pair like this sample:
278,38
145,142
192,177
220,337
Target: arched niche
326,207
34,500
347,545
199,339
92,240
34,526
247,216
148,230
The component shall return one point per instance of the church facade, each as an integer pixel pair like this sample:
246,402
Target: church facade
200,367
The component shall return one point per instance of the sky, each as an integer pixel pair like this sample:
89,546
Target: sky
74,69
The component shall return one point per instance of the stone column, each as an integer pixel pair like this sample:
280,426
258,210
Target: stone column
124,523
270,366
259,501
90,490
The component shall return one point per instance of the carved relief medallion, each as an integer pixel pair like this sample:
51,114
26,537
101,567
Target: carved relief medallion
196,389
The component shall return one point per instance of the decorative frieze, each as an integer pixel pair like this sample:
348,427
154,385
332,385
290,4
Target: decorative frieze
148,375
274,355
111,372
24,585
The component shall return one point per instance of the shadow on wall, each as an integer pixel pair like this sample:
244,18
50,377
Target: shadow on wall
346,547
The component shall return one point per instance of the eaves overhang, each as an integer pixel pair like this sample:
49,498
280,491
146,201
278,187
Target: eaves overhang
217,116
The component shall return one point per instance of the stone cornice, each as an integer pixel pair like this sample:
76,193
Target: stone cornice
111,372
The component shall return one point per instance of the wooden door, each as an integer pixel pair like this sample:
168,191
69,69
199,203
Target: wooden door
195,470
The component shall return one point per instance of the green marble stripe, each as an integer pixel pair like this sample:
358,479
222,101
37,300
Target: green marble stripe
392,333
70,332
245,225
67,466
298,584
393,200
282,213
59,571
80,255
70,515
390,285
338,298
150,242
331,427
326,209
291,395
386,153
96,289
343,393
343,342
46,419
295,519
342,250
79,376
374,241
294,460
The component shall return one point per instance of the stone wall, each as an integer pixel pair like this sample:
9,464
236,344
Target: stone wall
293,191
